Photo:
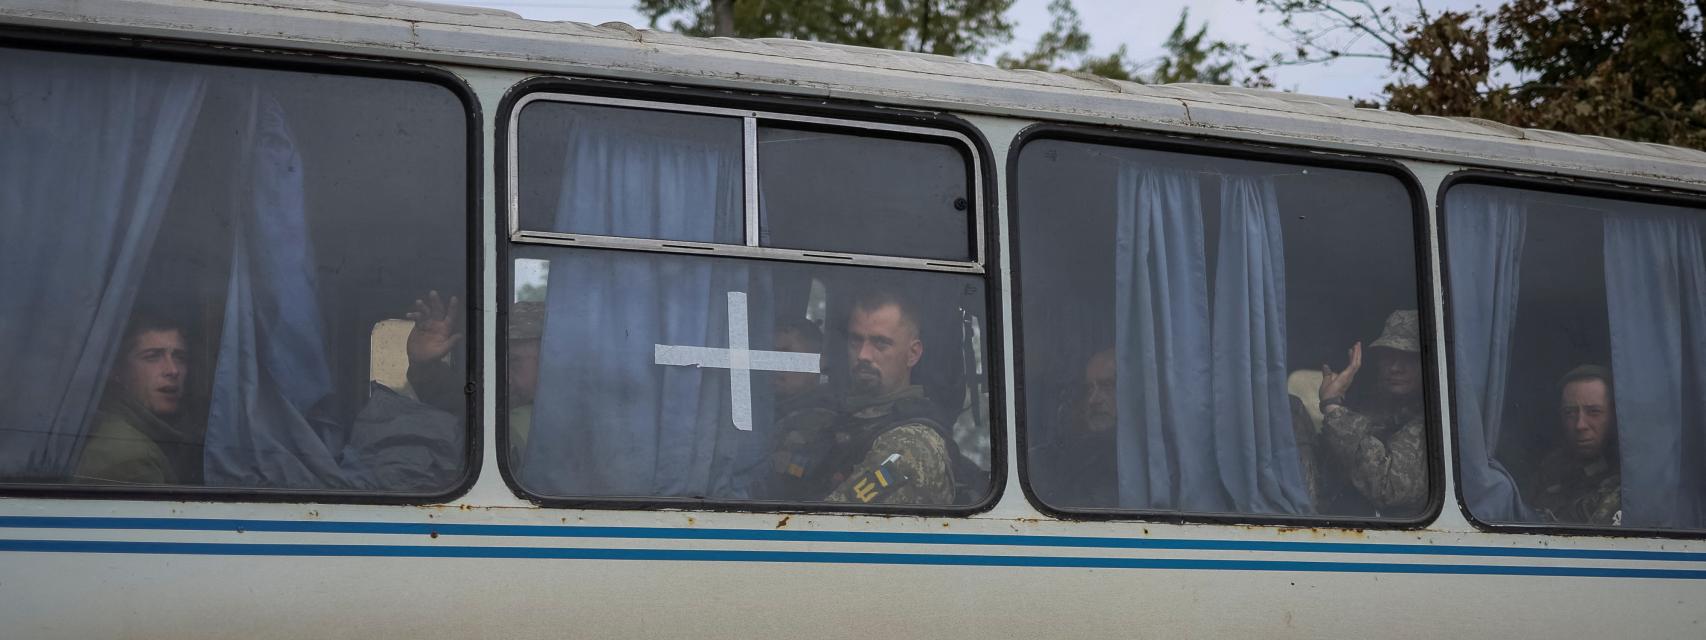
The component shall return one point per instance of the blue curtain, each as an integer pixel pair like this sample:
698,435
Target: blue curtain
1484,240
1255,447
608,420
1162,342
1655,282
89,153
1205,420
272,369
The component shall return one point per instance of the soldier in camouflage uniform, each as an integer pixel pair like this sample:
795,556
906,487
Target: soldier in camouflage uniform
805,416
1580,481
1378,443
879,444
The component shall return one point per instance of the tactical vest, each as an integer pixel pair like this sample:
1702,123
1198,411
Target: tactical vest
863,433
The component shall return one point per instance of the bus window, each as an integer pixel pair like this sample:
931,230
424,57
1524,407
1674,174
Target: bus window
1209,335
193,285
1578,360
821,190
754,376
567,148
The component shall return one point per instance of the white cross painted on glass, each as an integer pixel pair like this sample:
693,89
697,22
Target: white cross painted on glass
738,359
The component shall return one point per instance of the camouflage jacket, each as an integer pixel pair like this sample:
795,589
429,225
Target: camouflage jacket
1383,454
806,427
1572,492
873,451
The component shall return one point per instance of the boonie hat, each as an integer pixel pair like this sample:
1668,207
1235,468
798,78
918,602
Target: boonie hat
1403,332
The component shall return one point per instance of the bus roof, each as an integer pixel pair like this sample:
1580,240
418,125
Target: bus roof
450,34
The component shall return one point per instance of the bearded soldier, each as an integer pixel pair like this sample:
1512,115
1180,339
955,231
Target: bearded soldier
879,444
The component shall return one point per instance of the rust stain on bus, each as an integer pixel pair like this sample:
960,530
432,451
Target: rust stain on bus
783,522
1321,532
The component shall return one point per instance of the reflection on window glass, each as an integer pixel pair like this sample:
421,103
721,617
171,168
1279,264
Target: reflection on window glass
1208,335
1578,361
572,156
206,304
862,194
657,375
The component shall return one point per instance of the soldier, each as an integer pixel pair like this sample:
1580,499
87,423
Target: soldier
1580,481
805,416
882,445
438,329
137,437
795,390
1076,468
1378,442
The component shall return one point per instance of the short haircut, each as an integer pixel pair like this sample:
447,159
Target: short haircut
876,298
146,320
1590,372
807,330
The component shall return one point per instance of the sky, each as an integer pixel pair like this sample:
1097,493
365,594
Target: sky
1141,25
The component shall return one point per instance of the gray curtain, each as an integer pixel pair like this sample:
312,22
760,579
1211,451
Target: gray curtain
608,420
1484,240
1655,282
89,153
1204,421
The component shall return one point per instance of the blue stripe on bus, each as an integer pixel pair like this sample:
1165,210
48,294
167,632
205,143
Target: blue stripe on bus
817,557
783,535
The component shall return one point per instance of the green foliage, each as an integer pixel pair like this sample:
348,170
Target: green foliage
1190,56
945,27
1630,69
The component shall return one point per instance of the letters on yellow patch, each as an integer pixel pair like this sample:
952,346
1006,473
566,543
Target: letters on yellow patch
865,490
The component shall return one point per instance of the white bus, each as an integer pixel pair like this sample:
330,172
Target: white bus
354,318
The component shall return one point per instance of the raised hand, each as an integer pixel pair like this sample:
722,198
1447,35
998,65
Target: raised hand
1334,385
438,328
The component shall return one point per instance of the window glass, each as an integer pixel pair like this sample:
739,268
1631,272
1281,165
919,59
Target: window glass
1577,325
638,375
848,193
1177,315
837,189
196,290
573,155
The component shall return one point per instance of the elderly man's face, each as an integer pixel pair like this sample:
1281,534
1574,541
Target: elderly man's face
1587,417
882,347
1400,371
1101,407
152,371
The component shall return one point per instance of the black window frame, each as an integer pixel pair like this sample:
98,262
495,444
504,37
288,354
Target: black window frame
277,59
1262,152
847,116
1553,185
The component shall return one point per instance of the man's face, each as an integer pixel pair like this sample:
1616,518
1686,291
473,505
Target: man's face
882,348
523,371
1400,372
1101,408
151,373
1588,419
791,384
